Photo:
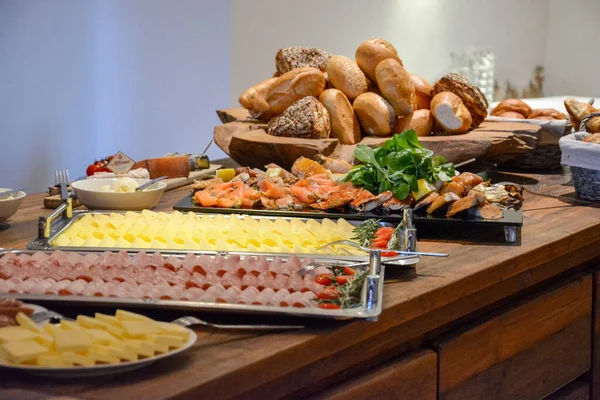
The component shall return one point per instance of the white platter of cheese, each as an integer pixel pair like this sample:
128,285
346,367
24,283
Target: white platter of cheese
85,347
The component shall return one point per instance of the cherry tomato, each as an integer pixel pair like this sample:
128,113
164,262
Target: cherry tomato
328,294
329,306
379,243
349,271
384,232
341,279
324,279
388,254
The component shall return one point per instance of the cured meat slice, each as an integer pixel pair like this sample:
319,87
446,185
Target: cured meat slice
265,297
231,279
281,298
248,296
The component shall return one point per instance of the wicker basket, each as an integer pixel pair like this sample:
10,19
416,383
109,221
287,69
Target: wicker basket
584,161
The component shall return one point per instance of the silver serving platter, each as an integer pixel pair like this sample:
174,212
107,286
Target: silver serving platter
370,307
60,220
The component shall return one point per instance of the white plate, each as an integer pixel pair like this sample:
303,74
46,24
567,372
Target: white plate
102,369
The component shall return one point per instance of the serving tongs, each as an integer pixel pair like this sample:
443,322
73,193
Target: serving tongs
61,178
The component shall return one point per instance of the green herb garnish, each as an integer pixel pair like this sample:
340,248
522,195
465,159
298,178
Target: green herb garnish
365,232
397,165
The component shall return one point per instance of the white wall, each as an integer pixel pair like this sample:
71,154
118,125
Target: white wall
83,79
572,56
424,33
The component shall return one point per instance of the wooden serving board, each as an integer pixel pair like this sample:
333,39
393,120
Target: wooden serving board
53,202
247,142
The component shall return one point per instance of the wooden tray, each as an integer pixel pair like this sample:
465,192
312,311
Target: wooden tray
247,142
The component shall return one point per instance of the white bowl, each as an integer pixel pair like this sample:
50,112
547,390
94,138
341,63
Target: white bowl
10,206
89,194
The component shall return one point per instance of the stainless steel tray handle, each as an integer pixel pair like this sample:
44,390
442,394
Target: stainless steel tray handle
373,284
45,223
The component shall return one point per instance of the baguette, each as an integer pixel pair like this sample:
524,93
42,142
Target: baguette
396,86
449,110
376,114
254,98
345,75
291,87
344,123
371,52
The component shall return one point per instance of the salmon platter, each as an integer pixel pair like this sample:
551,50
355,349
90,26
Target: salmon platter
394,177
246,283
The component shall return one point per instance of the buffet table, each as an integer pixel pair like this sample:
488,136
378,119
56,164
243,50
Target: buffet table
489,321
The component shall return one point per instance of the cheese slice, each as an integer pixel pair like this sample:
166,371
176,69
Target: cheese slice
103,337
77,341
89,322
123,315
16,333
52,360
21,351
165,340
139,347
109,319
26,322
122,353
101,357
135,329
77,359
174,330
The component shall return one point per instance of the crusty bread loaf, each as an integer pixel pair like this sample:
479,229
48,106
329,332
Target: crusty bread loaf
510,114
372,52
396,86
291,87
578,110
344,124
470,95
171,167
421,121
422,92
376,114
306,118
512,105
449,110
297,57
551,113
254,98
345,75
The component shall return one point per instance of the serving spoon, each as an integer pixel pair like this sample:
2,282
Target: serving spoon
149,183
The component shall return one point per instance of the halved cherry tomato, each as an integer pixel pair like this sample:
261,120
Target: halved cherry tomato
93,168
328,294
389,254
341,279
329,306
385,232
380,243
349,271
324,279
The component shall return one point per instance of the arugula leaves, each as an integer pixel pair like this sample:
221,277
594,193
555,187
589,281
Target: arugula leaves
397,165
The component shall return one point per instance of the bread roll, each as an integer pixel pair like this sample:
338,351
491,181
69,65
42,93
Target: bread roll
510,114
593,138
512,105
345,75
449,110
396,86
470,95
297,57
593,125
375,114
372,52
421,121
578,110
306,118
422,92
547,112
291,87
344,124
255,98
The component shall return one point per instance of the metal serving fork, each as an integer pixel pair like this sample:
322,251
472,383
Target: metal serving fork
191,321
310,267
61,177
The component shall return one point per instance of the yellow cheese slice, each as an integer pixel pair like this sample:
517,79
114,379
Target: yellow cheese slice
101,357
89,322
144,349
109,319
165,340
76,341
16,333
53,361
135,329
124,315
100,336
173,330
26,322
21,351
77,358
122,353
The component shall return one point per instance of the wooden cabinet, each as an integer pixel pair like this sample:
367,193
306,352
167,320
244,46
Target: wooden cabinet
526,351
410,377
577,390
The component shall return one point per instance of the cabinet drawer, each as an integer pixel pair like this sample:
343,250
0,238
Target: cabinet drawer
525,351
413,376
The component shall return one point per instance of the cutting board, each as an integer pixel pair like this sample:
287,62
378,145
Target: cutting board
247,142
53,202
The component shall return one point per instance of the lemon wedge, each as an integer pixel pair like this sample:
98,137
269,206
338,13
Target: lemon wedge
226,174
424,188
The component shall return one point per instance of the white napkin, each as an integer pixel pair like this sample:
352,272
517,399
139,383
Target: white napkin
576,153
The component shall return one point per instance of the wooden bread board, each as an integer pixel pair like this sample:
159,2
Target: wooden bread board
53,202
247,142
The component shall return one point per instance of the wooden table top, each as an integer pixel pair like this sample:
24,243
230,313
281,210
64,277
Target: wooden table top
558,235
